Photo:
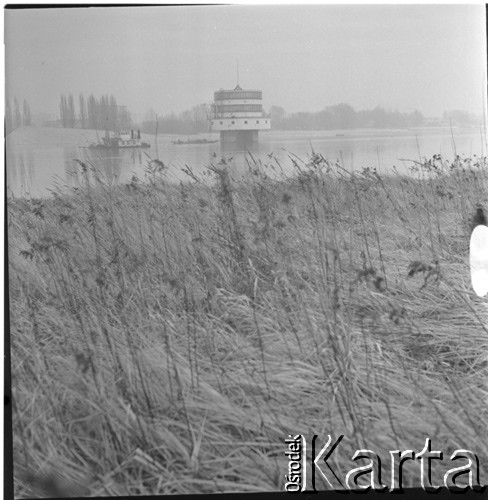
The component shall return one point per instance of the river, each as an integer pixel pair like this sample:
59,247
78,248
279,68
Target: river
40,159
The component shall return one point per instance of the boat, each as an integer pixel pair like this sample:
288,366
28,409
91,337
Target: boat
194,141
123,140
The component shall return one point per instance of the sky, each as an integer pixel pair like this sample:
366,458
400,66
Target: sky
303,57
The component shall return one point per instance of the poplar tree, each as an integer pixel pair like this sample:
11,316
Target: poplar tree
9,126
71,112
26,115
17,115
82,111
63,110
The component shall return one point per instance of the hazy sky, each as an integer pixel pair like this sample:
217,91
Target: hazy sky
405,57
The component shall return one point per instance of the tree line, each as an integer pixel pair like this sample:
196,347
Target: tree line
192,121
15,116
340,116
343,116
460,117
93,113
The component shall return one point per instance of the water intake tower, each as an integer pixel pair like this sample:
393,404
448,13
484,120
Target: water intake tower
238,116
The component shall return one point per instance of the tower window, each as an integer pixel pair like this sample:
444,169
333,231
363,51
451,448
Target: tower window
257,121
245,121
221,123
233,122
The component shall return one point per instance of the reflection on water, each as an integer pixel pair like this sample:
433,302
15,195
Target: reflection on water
107,165
41,159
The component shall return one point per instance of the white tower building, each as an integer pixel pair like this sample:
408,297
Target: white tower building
238,115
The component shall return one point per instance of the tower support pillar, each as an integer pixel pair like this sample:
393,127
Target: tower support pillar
239,139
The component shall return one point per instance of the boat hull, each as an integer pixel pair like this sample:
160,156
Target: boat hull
196,141
116,146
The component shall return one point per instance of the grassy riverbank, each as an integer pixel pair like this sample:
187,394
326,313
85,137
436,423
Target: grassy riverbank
166,340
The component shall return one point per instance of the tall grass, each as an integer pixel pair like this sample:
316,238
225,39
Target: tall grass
167,339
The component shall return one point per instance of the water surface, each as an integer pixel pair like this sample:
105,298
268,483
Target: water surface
40,159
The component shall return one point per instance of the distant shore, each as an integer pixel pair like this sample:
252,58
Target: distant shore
58,134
